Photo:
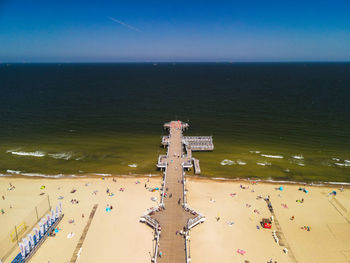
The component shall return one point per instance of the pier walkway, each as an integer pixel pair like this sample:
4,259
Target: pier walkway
173,219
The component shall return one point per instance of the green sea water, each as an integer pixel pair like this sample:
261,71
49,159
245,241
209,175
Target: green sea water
284,121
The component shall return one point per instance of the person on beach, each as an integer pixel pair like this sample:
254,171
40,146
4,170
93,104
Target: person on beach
3,197
2,211
179,201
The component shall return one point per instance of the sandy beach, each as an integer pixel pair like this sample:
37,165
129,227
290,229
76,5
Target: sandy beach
119,235
217,241
116,234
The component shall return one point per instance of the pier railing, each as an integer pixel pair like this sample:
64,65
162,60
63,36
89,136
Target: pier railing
165,140
187,247
184,187
163,187
199,143
161,162
195,221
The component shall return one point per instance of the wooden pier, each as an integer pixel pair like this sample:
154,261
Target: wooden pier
173,218
197,169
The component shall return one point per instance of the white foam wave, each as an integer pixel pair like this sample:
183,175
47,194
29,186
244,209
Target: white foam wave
5,175
336,159
102,174
227,162
272,156
255,151
338,183
298,157
34,154
134,165
13,171
347,161
301,164
65,155
43,175
240,162
343,164
263,163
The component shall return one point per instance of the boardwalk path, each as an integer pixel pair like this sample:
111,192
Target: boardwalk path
83,235
173,218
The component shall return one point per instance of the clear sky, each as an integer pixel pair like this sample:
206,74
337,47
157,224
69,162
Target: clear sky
191,30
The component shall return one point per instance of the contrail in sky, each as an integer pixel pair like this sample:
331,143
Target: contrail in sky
124,24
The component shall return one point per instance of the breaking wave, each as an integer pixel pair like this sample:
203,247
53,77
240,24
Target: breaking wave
13,171
272,156
64,156
263,163
5,175
33,154
102,174
43,175
227,162
298,157
343,164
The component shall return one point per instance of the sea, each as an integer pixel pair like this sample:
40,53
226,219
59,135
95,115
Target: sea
273,121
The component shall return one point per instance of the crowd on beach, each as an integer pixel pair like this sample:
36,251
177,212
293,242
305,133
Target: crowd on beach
276,197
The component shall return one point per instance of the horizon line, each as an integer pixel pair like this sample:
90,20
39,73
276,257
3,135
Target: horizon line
169,62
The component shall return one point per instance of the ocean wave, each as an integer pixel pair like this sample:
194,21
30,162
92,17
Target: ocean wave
5,175
255,151
272,156
33,154
336,159
347,161
298,157
239,162
300,164
102,174
13,171
263,163
343,164
134,165
227,162
64,155
77,176
153,175
338,183
43,175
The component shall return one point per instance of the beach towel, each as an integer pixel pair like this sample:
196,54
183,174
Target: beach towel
240,251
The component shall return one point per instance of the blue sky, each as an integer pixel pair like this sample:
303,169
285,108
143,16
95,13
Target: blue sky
122,31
